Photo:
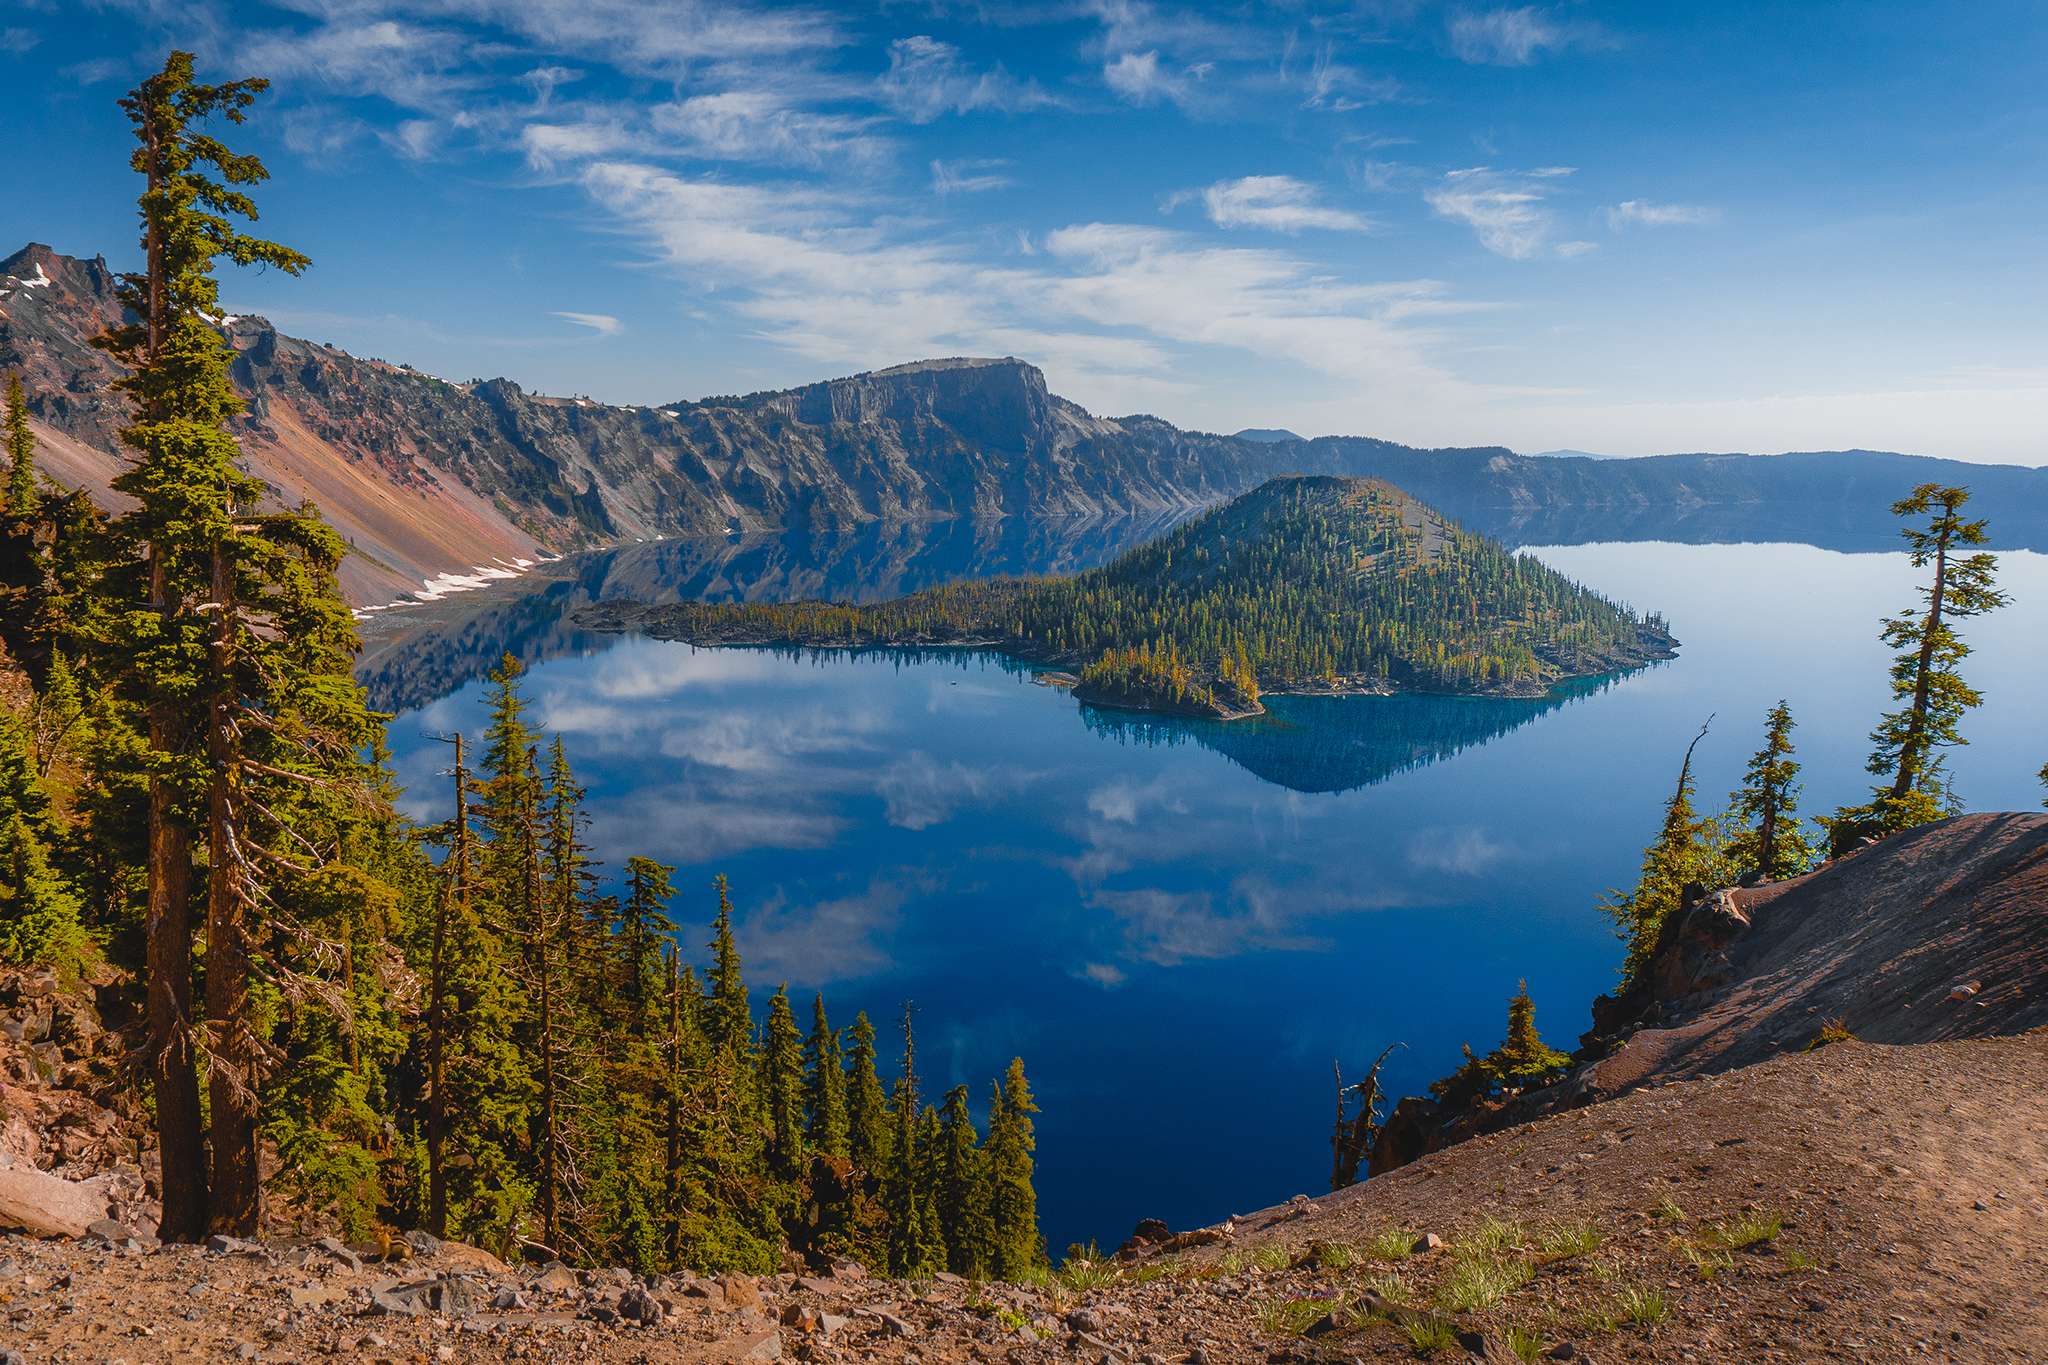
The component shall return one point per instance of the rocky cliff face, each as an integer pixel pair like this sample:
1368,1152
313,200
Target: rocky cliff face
430,477
1934,934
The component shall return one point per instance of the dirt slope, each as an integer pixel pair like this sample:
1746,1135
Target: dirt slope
1910,1186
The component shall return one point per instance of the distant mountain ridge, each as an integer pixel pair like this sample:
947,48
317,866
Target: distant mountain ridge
429,477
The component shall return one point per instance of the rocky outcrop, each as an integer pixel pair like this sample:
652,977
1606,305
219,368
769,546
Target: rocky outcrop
1933,934
75,1141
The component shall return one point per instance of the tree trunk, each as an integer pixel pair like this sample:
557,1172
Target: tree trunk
174,1062
437,1099
1916,734
236,1197
673,1185
168,931
536,918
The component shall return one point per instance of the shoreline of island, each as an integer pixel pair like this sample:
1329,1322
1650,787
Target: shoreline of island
1063,668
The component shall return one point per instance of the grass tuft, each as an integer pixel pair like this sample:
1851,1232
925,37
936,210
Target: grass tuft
1333,1255
1495,1237
1667,1211
1292,1317
1525,1342
1795,1259
1748,1230
1599,1317
1641,1305
1481,1281
1562,1241
1707,1261
1389,1244
1430,1335
1271,1256
1391,1286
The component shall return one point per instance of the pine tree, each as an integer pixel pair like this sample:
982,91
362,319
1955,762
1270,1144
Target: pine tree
1012,1203
867,1107
643,924
825,1086
21,453
782,1088
1924,672
727,1017
1772,845
1690,851
1523,1055
915,1246
962,1190
227,630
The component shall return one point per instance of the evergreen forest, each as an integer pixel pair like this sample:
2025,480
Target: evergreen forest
1302,579
350,1022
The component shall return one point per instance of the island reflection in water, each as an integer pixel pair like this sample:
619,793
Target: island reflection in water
1339,744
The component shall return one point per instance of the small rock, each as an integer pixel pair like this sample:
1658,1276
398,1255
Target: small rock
1981,1207
1085,1320
1322,1326
641,1307
942,1277
510,1299
444,1353
1427,1242
704,1289
604,1315
898,1327
800,1317
111,1230
1152,1230
246,1350
557,1279
766,1346
13,1358
844,1269
829,1323
1564,1350
740,1291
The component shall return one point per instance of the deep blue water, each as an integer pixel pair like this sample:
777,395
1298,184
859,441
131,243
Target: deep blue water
1180,925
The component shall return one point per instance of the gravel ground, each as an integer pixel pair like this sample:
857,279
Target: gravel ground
1908,1188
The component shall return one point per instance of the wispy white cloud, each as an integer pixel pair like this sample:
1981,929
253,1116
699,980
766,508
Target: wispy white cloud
1511,37
604,325
1507,210
820,277
18,40
926,79
1142,78
1276,202
958,177
1643,213
1102,974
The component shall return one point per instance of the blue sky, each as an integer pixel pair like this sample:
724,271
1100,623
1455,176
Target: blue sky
1617,228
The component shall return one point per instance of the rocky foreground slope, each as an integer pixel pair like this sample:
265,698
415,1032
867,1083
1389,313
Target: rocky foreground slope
1859,1203
430,477
1933,934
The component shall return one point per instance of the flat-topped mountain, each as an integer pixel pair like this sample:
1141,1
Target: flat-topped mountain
430,477
1305,584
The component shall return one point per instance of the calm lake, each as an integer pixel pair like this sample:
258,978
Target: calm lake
1180,925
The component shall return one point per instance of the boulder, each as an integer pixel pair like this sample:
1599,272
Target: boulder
557,1279
43,1205
739,1290
451,1298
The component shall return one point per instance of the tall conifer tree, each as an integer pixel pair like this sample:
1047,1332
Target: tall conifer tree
1768,804
1012,1201
227,630
867,1106
825,1086
1924,670
21,453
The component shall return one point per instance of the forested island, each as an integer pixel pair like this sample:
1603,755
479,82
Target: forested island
1305,584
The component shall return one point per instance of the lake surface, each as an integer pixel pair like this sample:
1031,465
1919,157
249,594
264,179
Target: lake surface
1179,925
